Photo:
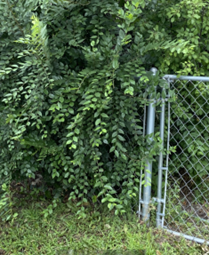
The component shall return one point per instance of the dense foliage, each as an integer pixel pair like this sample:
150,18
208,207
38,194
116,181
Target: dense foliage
71,107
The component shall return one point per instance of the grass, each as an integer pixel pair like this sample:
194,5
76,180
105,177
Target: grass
62,233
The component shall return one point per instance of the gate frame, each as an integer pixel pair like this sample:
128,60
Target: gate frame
160,223
150,124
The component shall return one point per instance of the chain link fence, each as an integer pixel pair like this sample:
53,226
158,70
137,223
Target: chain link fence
179,192
187,200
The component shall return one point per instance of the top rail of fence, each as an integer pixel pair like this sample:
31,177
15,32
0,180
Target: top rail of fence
190,78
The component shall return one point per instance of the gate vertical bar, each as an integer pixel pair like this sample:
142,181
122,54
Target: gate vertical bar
167,155
148,171
160,163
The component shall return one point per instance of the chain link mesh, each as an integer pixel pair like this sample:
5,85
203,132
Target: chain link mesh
187,201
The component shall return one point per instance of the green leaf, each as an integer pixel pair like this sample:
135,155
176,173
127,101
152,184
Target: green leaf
97,122
116,153
123,156
129,90
75,139
120,138
115,63
112,149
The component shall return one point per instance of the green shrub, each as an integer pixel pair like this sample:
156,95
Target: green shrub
71,108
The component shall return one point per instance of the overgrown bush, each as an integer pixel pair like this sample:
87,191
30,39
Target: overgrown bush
71,106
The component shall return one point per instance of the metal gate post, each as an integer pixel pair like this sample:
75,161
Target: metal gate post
160,164
148,171
162,201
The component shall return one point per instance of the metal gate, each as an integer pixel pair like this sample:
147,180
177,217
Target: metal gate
182,195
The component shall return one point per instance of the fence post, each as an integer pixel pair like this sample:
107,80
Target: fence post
148,172
160,164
